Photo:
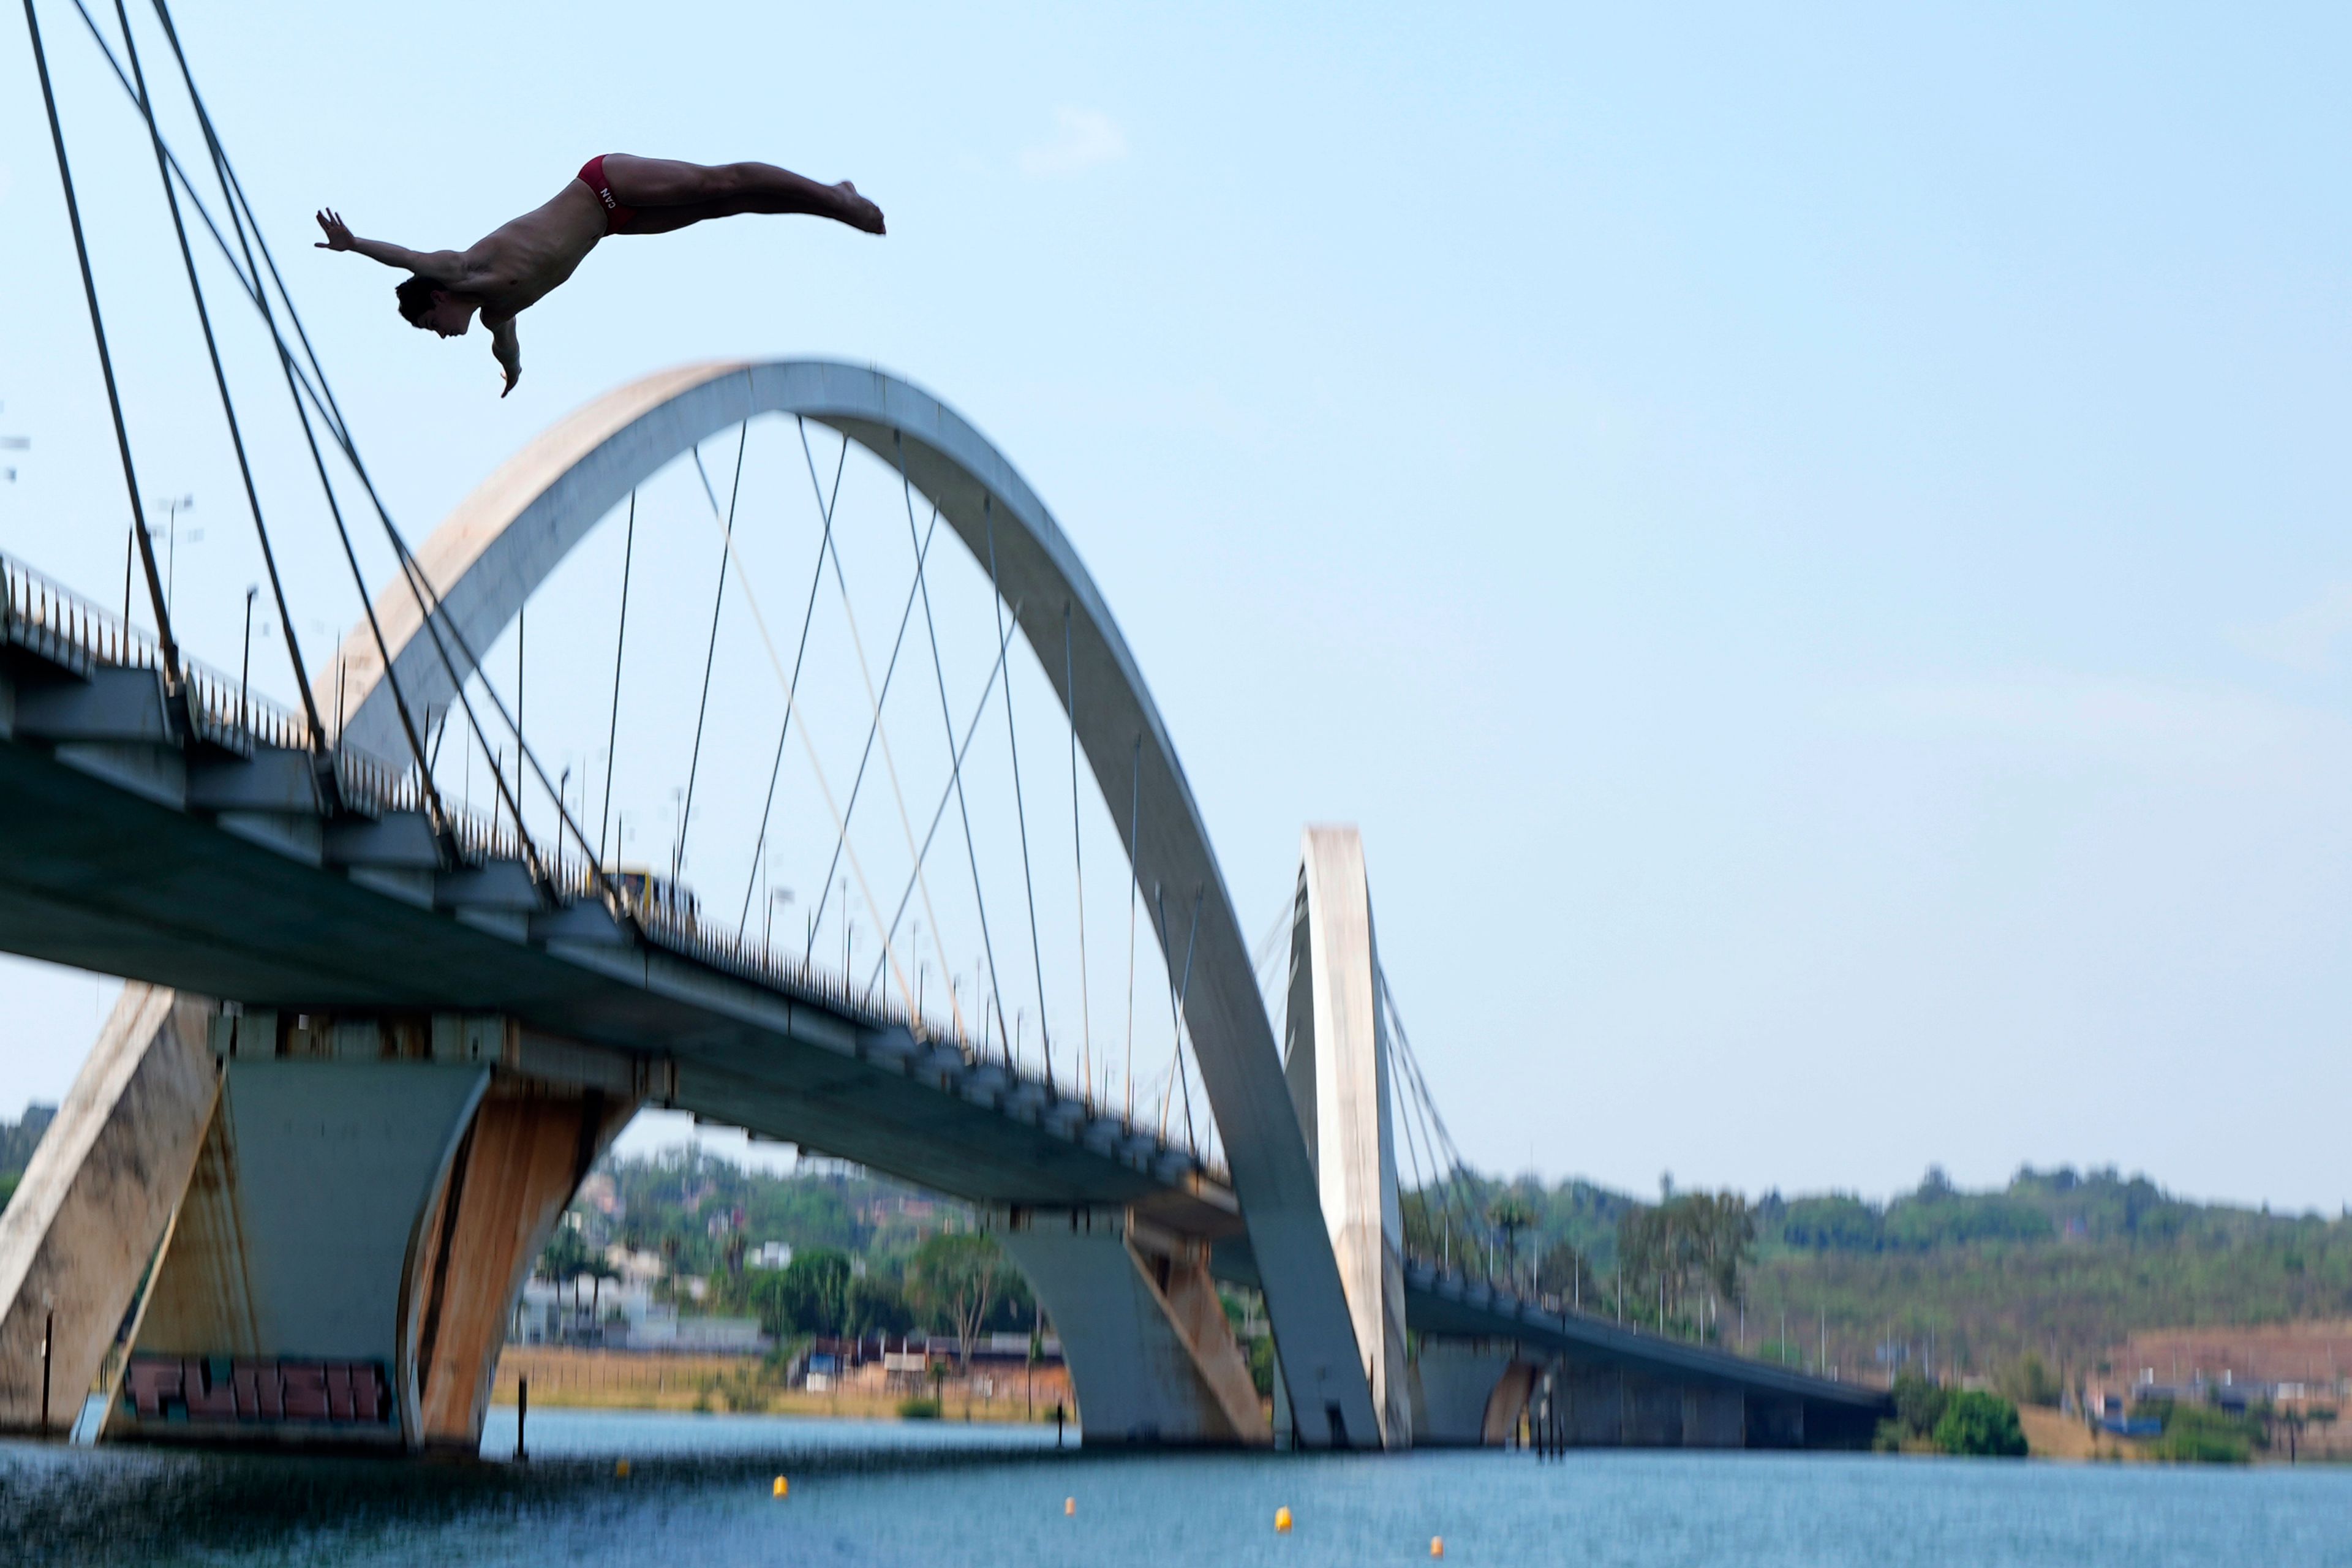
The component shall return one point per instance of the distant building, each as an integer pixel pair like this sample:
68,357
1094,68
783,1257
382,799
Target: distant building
600,1192
624,1316
769,1255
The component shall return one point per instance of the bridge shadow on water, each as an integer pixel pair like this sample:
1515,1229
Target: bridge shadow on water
158,1504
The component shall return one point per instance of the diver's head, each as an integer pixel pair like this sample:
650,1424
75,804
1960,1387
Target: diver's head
425,304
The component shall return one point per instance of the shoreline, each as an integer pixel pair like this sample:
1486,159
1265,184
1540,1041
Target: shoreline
579,1379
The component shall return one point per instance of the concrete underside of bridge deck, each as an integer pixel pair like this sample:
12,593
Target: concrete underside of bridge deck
1151,1356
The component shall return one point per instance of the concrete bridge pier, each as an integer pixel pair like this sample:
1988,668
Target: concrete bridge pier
1469,1393
1151,1356
369,1197
1607,1407
95,1200
331,1216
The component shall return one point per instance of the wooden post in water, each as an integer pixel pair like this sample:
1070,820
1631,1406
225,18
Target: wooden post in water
48,1338
522,1414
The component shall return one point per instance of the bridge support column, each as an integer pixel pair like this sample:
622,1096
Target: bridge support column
1470,1392
368,1197
530,1145
1591,1405
1653,1413
97,1198
1714,1417
1775,1423
1151,1356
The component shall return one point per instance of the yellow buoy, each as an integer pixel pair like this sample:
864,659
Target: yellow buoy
783,1486
620,1468
1437,1546
1282,1522
1069,1506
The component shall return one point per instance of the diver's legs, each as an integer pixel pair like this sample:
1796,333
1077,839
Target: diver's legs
724,189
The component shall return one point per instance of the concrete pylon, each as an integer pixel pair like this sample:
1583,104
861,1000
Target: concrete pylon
1336,1060
97,1198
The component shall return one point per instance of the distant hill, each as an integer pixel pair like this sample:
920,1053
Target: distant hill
2059,1263
17,1140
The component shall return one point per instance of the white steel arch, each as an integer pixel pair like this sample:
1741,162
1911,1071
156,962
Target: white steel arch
512,531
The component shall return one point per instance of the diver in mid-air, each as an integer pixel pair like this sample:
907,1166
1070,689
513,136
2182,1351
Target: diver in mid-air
520,263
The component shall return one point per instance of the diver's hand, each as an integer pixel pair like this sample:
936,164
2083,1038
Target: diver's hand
508,350
339,237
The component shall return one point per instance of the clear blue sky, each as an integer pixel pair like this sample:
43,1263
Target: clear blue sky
1812,543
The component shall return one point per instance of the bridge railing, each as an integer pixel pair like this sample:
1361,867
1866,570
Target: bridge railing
674,925
43,615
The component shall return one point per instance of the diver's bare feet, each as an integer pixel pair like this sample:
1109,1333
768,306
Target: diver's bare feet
856,210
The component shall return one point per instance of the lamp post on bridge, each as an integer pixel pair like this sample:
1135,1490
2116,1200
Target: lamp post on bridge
172,507
245,669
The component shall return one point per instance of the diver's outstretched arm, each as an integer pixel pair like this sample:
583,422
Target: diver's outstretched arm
507,351
443,266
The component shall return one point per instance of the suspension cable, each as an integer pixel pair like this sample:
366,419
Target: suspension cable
808,617
322,394
1435,1126
827,509
105,361
939,812
873,731
235,192
220,377
620,643
1177,992
1183,995
808,746
710,654
947,721
1400,1110
879,732
1012,741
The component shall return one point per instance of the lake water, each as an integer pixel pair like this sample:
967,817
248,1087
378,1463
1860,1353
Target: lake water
928,1495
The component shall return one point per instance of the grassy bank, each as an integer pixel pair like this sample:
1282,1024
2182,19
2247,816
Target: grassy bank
624,1380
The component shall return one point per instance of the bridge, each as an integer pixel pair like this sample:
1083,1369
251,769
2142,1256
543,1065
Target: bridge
373,1037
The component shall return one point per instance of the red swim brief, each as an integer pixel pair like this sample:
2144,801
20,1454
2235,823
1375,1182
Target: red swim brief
617,218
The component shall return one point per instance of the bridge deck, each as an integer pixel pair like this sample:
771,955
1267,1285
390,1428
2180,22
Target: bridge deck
116,862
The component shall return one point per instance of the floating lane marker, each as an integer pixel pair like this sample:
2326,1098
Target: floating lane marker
1069,1506
620,1468
1437,1546
784,1488
1282,1522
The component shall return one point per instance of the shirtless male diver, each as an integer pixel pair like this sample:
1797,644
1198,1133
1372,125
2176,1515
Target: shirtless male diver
520,263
